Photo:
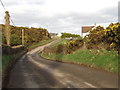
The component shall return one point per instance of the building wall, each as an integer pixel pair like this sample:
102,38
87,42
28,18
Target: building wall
84,34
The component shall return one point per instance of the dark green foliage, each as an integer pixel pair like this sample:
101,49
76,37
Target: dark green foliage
15,40
68,35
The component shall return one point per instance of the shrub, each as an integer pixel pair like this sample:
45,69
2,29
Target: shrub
74,45
15,40
60,49
68,35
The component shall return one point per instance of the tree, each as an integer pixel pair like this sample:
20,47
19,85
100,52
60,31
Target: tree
68,35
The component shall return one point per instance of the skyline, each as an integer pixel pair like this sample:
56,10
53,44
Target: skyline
61,15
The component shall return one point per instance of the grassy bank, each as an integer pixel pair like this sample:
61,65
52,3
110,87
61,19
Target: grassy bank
40,43
62,41
7,60
107,60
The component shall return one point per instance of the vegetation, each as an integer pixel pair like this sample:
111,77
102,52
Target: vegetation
101,49
73,45
33,38
64,46
62,41
107,60
68,35
8,59
40,43
31,35
113,35
110,37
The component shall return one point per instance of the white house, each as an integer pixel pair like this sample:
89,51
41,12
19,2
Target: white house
86,30
53,35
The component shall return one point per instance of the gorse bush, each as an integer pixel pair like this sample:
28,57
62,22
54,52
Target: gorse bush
109,36
31,35
113,35
74,45
62,48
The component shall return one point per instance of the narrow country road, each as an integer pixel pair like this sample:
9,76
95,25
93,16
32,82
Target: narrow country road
32,71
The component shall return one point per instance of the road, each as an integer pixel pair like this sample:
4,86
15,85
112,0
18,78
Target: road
32,71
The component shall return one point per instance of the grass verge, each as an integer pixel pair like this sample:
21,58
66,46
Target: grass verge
40,43
62,41
107,60
7,60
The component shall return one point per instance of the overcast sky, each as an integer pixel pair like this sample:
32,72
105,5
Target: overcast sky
61,15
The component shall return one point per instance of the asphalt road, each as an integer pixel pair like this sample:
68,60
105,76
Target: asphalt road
32,71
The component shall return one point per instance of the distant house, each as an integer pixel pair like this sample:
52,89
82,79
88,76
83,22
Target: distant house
86,30
53,35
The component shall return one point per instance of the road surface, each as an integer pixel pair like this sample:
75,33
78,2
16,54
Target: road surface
32,71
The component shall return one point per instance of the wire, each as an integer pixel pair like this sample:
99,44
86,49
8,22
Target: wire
5,11
12,21
3,5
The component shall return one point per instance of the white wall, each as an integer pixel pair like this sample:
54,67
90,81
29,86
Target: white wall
84,34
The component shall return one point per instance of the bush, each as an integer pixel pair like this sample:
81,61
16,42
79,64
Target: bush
110,37
15,40
31,35
74,45
60,49
68,35
45,38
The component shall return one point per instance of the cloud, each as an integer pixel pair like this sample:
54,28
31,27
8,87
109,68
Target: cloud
37,13
23,2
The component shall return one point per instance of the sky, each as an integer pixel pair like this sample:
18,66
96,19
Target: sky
60,15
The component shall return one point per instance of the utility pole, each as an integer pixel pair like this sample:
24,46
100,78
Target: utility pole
23,37
119,22
7,28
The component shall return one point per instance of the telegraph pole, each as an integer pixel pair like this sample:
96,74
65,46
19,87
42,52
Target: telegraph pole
23,37
7,28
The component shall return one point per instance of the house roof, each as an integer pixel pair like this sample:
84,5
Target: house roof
85,29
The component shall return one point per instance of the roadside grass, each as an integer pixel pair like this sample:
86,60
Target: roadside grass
40,43
6,60
62,41
107,60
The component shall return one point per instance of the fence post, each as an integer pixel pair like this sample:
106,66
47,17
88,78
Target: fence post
7,28
23,37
